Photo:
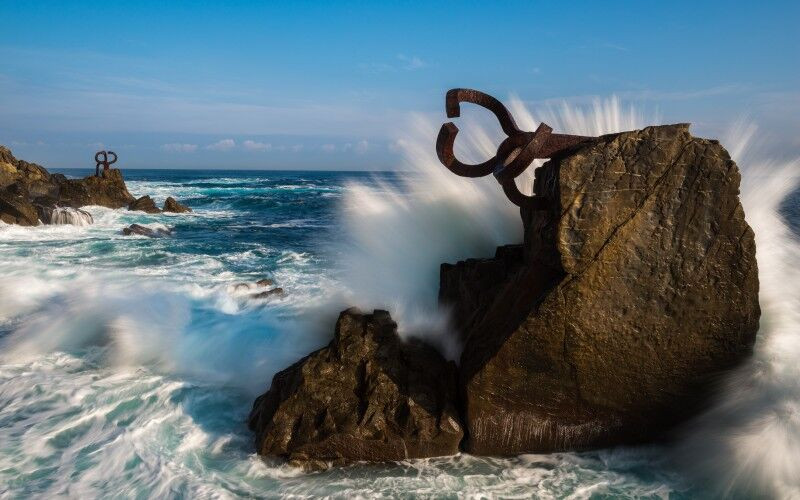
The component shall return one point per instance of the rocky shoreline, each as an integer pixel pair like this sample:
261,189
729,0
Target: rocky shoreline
29,194
631,292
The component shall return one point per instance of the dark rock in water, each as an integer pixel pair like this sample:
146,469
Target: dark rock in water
144,204
145,231
265,282
275,292
15,208
108,190
50,190
170,205
631,291
368,396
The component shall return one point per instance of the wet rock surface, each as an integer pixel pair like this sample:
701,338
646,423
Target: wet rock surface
108,190
273,292
144,204
27,189
140,230
632,291
171,205
368,396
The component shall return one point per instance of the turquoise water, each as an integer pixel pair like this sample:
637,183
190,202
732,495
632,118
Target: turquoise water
129,363
135,361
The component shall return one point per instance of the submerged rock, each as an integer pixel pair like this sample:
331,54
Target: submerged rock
632,290
171,205
368,396
144,204
145,231
274,292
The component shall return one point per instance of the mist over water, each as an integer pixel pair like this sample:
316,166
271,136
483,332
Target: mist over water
128,364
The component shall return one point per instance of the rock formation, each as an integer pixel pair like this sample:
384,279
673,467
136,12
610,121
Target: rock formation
267,294
29,194
368,395
145,231
171,205
15,206
28,191
108,190
144,204
632,290
607,325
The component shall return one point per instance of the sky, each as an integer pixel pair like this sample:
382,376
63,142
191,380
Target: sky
330,85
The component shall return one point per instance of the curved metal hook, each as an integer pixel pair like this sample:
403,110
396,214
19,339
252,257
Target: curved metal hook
456,96
444,150
515,153
115,157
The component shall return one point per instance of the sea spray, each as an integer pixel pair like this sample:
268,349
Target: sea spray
748,444
397,235
134,399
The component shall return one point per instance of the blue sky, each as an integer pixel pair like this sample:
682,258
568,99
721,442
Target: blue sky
330,85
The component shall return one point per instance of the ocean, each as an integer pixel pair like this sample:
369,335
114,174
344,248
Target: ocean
129,364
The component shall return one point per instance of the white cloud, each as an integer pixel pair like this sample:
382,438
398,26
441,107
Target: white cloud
403,63
411,63
256,146
328,148
362,146
177,147
297,148
223,145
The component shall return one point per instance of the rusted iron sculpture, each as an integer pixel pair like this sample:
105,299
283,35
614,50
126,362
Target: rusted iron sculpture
515,153
104,162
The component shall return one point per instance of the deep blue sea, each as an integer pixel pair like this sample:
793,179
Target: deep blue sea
130,363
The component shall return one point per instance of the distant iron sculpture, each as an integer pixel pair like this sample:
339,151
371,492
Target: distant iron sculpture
515,153
101,157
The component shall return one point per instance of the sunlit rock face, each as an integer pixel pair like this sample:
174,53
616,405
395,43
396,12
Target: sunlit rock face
629,294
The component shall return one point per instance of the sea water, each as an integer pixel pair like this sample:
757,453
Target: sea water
129,364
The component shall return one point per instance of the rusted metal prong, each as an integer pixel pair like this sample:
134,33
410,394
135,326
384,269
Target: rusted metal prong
514,155
456,96
444,150
517,198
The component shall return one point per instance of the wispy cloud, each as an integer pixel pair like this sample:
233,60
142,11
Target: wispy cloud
329,148
402,63
223,145
256,146
362,147
177,147
411,63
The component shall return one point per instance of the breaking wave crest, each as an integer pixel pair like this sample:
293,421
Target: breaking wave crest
128,365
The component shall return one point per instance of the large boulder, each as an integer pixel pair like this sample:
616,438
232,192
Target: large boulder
632,290
108,190
367,396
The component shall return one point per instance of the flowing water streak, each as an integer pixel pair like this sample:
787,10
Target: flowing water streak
749,443
134,365
73,216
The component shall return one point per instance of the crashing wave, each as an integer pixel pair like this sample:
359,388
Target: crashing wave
67,215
